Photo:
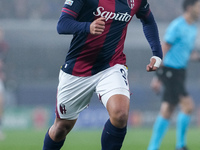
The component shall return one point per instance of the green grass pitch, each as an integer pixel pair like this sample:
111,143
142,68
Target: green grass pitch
136,139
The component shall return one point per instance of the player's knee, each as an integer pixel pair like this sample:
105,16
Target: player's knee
188,109
57,133
167,110
191,107
120,118
187,105
60,131
61,128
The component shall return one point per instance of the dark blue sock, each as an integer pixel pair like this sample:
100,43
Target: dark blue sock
49,144
112,137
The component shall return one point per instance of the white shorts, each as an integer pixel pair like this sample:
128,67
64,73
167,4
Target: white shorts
74,93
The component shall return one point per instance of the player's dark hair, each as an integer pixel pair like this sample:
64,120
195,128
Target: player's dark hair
187,3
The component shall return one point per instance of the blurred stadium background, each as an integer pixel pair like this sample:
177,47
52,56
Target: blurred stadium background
36,53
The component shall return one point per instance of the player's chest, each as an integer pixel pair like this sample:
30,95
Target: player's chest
187,34
108,7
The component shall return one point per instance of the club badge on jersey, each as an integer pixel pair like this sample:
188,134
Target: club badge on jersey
69,2
130,3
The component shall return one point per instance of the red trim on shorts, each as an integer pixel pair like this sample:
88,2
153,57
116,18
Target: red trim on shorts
56,111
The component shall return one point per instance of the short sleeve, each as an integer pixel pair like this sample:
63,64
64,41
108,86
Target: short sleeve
172,33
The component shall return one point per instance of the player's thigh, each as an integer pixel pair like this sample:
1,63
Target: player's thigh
171,96
114,82
73,96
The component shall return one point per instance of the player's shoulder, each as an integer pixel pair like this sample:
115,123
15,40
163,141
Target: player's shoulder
177,22
144,3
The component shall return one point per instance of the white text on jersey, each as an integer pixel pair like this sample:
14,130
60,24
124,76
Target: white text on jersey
111,15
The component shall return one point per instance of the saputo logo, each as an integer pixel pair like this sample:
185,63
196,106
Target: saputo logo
111,15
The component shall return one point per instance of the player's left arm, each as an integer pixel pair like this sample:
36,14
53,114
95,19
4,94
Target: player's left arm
151,33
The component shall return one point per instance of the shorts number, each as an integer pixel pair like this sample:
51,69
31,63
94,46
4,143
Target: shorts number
124,76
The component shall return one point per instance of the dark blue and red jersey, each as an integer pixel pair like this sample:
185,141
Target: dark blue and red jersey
89,54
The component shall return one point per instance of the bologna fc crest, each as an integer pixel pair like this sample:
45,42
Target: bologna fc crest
130,3
63,109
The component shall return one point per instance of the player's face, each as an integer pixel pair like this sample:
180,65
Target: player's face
195,10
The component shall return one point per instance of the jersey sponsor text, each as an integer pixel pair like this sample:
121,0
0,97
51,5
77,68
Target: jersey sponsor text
111,15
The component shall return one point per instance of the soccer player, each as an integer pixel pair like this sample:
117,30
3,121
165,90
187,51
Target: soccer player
2,91
3,51
177,48
96,63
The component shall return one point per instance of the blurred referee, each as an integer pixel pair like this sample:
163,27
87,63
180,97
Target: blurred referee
177,50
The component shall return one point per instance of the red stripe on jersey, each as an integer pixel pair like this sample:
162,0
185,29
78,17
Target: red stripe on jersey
117,57
94,44
119,50
137,4
70,12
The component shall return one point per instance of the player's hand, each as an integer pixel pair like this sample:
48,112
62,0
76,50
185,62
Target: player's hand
151,67
154,64
97,26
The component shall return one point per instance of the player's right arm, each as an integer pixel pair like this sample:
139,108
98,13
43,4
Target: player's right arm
68,23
